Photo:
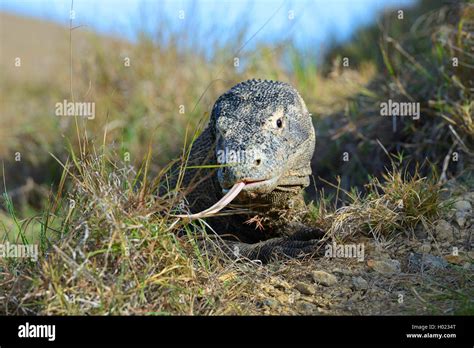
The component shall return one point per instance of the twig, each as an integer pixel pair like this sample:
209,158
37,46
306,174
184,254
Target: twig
443,177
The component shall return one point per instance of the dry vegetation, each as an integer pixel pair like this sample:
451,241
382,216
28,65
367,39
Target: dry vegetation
107,245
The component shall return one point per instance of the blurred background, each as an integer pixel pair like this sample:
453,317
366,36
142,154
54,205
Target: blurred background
318,22
155,68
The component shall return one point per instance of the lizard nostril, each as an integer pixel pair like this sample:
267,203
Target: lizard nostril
257,162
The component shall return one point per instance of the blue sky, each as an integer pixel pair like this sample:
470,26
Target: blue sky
315,22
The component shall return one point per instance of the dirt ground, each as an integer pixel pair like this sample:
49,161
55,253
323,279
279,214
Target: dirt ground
429,271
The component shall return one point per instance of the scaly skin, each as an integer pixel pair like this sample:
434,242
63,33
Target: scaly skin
268,128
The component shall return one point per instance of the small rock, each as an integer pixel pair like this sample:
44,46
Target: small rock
360,283
461,218
420,232
425,248
270,303
446,245
425,262
444,231
323,311
341,292
344,271
354,298
463,211
305,289
306,307
463,206
324,278
387,266
279,284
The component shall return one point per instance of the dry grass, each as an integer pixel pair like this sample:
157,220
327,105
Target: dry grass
413,67
395,205
115,252
107,244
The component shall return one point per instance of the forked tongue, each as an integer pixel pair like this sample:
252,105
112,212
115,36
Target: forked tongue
221,204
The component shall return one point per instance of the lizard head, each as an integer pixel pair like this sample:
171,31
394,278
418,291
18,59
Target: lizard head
264,137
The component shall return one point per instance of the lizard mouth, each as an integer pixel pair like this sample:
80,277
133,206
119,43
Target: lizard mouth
252,185
230,194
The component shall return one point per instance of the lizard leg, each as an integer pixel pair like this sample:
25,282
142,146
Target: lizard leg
302,241
267,250
306,233
300,231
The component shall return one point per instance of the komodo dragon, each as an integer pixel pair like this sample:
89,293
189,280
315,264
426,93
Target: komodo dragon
262,133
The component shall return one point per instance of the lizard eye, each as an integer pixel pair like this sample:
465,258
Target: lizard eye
279,123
